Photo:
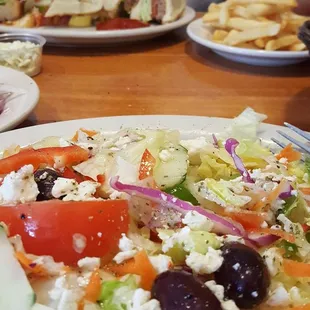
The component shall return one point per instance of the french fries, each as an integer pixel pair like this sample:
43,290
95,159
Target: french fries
257,24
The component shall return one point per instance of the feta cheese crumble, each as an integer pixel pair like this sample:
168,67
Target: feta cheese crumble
89,263
205,264
141,300
70,190
218,291
161,263
197,221
127,250
19,187
279,297
273,260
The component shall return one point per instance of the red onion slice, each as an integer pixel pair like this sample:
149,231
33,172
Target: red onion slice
287,193
262,240
215,141
230,146
221,224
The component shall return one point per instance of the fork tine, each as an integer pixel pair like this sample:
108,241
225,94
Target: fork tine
298,131
294,141
278,142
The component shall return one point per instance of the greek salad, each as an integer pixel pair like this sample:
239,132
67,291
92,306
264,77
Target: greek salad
147,220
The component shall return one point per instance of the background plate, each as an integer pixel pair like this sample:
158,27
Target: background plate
21,106
89,36
202,34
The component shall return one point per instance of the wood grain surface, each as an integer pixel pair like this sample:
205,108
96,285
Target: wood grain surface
168,75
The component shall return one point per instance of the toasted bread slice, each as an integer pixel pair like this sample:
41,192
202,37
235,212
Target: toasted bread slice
11,10
15,9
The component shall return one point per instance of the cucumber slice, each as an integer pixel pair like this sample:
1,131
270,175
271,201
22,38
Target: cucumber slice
15,290
172,167
181,192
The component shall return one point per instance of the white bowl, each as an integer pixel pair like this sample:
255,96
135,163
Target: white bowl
201,34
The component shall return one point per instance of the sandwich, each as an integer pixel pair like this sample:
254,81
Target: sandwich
81,13
86,13
161,11
11,10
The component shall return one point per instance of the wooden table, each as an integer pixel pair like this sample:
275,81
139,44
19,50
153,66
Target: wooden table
169,75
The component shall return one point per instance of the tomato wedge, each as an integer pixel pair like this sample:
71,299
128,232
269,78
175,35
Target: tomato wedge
61,156
49,227
147,165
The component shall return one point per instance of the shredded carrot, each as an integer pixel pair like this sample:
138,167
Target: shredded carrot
139,265
276,232
90,133
29,265
93,288
248,219
270,198
81,304
305,190
101,178
289,153
296,269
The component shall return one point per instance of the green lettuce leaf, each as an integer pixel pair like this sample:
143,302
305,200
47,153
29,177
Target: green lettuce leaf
117,294
245,126
216,169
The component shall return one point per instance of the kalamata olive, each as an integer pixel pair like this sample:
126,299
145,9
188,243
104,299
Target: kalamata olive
244,275
180,290
45,179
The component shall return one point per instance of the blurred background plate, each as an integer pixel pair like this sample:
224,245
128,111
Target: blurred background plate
202,34
25,96
89,36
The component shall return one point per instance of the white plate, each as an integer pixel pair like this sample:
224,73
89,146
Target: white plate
201,34
89,36
190,126
22,104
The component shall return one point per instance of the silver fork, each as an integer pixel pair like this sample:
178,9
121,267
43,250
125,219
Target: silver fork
300,132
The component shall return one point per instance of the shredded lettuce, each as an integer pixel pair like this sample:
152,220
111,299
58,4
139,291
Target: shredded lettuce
296,209
117,294
299,170
222,193
252,154
218,164
245,126
214,168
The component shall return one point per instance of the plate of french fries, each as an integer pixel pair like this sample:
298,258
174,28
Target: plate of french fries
255,32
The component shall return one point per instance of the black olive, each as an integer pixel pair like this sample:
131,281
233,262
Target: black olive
180,290
45,179
244,275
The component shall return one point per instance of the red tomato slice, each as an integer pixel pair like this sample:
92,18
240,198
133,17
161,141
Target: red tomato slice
48,227
147,165
69,173
120,23
62,156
